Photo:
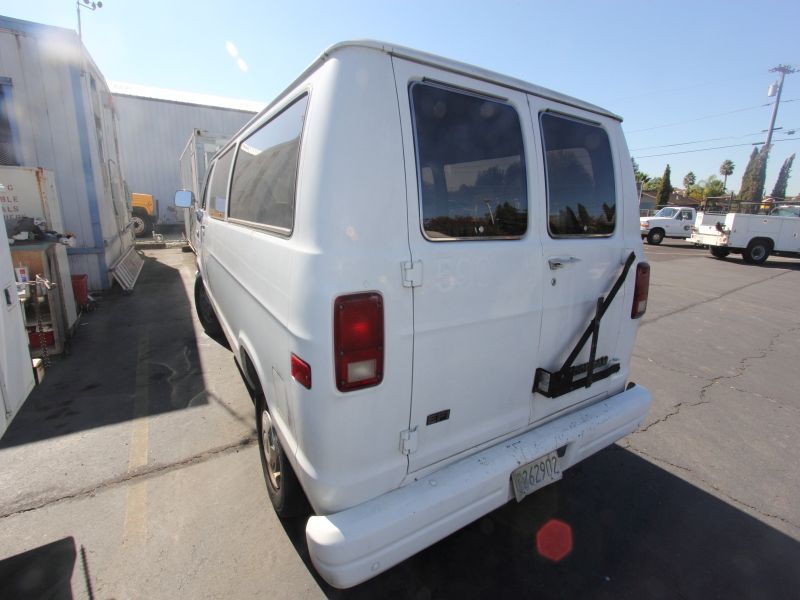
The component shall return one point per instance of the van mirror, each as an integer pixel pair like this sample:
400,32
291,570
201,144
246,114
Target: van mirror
184,198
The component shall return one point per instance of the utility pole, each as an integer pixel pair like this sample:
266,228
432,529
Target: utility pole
87,4
784,70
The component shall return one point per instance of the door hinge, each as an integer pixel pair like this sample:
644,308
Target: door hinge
412,274
408,441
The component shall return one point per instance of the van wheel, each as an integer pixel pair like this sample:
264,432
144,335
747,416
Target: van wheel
205,311
283,488
655,237
718,252
757,252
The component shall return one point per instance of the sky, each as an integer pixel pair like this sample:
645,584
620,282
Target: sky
689,79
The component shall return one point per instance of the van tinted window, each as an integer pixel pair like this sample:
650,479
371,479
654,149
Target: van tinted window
581,195
218,186
470,165
265,173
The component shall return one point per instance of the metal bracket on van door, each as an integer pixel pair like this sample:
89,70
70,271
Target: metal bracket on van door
408,441
568,377
412,273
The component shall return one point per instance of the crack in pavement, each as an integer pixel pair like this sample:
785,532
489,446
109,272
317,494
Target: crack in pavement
142,473
718,490
739,370
712,299
666,368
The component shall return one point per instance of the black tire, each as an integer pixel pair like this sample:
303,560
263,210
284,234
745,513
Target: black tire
655,237
205,311
283,488
718,252
757,251
142,224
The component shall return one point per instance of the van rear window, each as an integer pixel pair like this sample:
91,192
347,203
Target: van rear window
265,174
581,195
470,165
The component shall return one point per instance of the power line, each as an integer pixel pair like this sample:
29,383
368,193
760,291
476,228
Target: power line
738,110
727,137
715,148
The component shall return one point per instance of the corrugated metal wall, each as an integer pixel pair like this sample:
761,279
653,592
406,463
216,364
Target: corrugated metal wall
63,120
154,132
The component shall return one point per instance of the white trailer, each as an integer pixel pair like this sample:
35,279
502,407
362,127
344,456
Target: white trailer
153,123
194,161
57,113
753,236
16,373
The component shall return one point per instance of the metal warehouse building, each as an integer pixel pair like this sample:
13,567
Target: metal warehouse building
154,125
56,112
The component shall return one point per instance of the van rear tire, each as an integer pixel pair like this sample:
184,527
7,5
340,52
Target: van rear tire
718,252
283,487
205,311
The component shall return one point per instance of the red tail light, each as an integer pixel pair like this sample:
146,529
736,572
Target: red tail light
358,340
301,371
641,291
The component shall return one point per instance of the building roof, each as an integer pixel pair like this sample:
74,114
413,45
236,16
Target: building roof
134,90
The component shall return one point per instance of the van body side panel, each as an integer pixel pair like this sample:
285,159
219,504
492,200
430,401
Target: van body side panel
477,312
350,236
589,264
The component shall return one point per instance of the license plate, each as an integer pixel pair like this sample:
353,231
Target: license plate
535,475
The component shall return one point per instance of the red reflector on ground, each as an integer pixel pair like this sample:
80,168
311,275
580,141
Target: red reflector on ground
301,371
554,540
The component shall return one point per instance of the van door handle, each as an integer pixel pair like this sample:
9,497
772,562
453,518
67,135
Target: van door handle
560,262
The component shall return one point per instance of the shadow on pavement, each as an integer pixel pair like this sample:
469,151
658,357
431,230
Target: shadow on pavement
44,572
773,262
141,344
638,532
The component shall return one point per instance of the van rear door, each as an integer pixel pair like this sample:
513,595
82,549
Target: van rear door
584,246
476,266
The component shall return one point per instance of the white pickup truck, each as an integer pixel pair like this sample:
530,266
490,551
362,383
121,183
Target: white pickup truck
755,237
670,222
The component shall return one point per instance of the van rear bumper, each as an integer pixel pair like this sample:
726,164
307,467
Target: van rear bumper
356,544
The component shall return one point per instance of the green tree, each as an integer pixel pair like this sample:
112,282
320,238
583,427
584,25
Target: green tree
779,191
652,184
641,177
725,169
755,174
688,182
665,190
712,186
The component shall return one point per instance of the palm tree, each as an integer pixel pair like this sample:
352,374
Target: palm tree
725,169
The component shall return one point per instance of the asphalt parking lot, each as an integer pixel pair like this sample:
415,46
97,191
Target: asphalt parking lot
133,472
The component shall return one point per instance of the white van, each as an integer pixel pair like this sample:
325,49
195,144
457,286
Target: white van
431,277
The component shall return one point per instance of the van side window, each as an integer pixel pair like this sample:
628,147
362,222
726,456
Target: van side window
581,194
470,165
265,174
218,186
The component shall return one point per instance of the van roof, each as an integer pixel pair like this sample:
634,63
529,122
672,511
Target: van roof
461,68
440,62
